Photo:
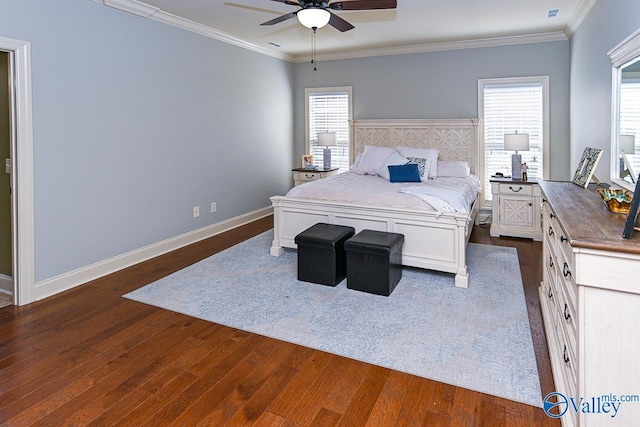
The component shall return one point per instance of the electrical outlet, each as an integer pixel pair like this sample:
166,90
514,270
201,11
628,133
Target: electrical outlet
213,207
196,211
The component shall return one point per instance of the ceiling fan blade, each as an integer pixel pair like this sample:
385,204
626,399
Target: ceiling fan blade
364,4
339,24
280,19
292,3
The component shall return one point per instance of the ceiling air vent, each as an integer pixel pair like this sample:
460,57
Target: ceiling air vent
553,13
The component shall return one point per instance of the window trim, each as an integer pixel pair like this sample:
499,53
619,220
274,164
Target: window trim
311,90
482,83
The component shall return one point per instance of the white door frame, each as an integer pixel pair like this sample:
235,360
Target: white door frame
22,149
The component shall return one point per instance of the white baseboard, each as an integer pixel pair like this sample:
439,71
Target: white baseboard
6,284
63,282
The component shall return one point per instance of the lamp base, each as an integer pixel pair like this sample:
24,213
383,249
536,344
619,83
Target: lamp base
326,158
516,166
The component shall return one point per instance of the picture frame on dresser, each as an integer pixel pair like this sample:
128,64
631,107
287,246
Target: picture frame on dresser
630,225
587,166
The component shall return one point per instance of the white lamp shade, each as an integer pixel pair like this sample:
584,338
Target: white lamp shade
327,139
627,143
516,141
313,17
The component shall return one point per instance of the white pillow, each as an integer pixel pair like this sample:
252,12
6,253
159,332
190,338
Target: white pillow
372,159
423,167
393,160
356,163
425,153
454,168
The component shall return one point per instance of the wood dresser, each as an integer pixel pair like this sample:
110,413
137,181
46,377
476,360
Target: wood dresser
590,300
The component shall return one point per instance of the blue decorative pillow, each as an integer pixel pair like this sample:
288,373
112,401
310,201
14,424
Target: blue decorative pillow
404,173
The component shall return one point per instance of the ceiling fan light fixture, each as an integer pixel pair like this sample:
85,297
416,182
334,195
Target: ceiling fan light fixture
312,17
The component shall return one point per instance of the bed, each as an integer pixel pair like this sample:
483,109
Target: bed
434,239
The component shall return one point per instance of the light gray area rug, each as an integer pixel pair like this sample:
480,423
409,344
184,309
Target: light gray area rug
477,338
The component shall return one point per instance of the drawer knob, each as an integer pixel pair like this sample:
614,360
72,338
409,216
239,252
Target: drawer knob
551,233
565,270
551,261
514,190
563,239
567,316
564,354
308,176
551,215
550,294
530,204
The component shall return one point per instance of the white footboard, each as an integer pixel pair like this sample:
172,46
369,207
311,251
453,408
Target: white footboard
430,242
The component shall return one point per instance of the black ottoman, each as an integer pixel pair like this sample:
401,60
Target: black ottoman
321,256
374,261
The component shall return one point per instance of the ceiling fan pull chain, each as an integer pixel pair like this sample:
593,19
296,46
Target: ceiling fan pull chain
313,49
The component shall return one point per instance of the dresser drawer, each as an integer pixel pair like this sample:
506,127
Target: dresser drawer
550,228
551,290
568,362
567,318
525,190
566,273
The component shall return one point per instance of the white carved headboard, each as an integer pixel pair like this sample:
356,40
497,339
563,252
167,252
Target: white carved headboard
456,139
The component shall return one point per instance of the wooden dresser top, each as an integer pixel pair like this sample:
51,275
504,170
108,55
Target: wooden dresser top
586,219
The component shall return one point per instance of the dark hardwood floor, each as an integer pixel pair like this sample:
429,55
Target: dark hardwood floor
90,357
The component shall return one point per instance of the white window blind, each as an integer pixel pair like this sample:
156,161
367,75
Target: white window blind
508,108
630,110
329,111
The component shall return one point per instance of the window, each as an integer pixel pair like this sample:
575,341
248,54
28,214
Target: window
329,110
506,106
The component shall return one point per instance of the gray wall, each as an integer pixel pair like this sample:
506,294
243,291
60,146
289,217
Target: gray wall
442,85
607,24
136,122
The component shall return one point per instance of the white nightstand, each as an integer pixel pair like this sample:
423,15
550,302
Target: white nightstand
300,175
516,208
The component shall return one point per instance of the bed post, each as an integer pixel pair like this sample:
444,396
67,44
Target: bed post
276,246
462,276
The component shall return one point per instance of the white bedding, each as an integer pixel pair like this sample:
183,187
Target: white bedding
441,194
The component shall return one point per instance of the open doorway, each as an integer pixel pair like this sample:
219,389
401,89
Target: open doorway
18,122
6,228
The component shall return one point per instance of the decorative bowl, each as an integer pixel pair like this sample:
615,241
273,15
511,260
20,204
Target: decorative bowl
617,201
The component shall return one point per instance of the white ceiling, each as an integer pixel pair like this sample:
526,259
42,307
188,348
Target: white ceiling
416,25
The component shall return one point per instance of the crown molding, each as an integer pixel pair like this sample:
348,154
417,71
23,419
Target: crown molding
145,11
436,47
578,16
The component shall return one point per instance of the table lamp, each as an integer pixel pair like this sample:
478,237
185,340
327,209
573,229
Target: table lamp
327,140
516,142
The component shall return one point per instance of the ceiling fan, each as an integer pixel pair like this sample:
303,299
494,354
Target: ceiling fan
316,14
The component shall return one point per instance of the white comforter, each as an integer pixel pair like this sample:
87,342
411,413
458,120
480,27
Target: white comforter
440,194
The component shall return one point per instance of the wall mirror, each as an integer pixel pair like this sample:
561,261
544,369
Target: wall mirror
625,112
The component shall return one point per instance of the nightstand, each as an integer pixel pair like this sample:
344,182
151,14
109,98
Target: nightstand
516,208
301,175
